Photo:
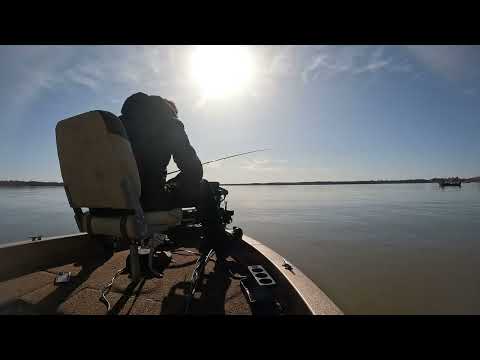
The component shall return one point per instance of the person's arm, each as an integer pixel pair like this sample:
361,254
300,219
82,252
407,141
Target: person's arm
184,155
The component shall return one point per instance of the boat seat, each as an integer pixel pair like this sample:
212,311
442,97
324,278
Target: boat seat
124,226
99,171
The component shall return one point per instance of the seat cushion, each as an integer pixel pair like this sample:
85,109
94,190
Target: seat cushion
97,163
124,226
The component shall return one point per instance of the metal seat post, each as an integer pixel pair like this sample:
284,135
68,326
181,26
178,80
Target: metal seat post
134,263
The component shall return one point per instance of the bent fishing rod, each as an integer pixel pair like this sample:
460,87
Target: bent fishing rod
224,158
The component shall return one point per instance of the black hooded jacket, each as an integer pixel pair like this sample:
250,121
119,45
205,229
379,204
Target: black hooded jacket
156,135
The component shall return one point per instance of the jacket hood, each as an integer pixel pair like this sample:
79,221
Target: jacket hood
141,103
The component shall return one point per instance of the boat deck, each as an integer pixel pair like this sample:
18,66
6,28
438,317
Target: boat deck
28,271
36,293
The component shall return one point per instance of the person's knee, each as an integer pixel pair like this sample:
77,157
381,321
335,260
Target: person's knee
205,189
203,183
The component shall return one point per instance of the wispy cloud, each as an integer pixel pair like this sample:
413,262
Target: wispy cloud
263,165
26,72
282,61
376,61
116,70
87,75
164,69
333,60
127,66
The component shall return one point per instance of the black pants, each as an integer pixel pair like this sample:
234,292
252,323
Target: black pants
200,196
155,199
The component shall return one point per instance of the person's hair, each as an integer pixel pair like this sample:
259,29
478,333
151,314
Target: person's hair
172,106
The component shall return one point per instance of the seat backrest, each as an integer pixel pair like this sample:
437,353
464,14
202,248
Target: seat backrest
97,163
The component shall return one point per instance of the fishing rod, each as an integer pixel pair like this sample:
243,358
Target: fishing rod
224,158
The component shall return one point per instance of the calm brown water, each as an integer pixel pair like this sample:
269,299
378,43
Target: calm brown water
374,249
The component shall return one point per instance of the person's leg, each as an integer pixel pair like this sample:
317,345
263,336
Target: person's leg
209,215
211,218
203,198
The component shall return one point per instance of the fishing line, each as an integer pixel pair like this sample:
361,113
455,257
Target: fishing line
224,158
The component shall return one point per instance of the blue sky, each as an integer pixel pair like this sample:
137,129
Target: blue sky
327,112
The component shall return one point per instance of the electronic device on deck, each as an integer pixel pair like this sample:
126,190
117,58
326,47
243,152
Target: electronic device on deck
62,278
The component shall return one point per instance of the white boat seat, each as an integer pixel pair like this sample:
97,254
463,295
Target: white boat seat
99,170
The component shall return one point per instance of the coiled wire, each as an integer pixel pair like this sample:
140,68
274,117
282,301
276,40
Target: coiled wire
108,287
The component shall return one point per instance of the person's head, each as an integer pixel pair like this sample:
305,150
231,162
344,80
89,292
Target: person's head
150,104
172,106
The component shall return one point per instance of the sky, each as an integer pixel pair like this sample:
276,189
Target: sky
326,112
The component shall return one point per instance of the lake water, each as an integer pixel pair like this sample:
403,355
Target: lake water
374,249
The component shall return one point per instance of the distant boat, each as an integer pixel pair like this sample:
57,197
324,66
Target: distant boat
450,182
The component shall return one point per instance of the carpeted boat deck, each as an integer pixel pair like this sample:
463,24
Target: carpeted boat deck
35,293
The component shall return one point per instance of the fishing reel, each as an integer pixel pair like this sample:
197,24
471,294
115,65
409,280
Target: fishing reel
220,195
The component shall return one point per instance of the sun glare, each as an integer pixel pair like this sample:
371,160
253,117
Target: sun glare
220,71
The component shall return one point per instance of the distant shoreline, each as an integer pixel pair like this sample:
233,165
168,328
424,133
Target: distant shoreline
18,183
366,182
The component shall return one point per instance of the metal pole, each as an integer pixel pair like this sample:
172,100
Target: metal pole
134,263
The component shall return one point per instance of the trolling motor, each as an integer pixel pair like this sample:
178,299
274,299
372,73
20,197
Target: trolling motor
190,216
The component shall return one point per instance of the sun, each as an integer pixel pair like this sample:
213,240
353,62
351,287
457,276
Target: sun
221,71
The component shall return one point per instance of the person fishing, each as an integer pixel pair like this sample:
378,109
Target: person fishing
156,135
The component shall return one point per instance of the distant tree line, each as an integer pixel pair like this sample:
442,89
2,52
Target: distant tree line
17,183
406,181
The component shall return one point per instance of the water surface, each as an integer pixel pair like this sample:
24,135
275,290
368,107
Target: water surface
374,249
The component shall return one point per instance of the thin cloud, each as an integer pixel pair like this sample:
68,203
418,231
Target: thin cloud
377,61
29,71
82,78
263,165
333,60
124,66
317,61
114,70
282,62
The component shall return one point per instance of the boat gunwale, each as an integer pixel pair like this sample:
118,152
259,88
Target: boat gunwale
317,302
